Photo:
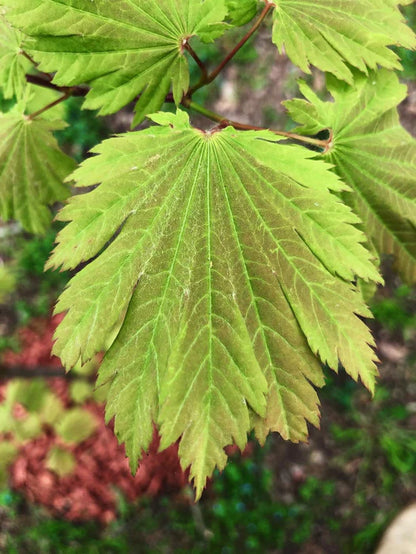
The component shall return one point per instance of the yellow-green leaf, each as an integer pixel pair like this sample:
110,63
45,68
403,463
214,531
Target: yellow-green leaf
374,155
13,66
76,425
32,169
122,49
225,265
334,35
60,461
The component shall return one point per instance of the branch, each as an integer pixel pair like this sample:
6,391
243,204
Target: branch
21,372
224,122
205,80
43,81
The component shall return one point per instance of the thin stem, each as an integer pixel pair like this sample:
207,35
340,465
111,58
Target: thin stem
48,76
197,515
199,62
26,55
41,81
203,111
214,74
224,122
49,106
308,140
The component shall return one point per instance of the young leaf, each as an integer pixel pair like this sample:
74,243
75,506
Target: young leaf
7,282
76,426
13,65
8,454
241,12
52,409
221,257
374,155
32,169
31,394
122,49
27,428
333,34
60,461
80,391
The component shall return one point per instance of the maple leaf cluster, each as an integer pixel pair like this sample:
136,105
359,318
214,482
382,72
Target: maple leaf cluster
221,268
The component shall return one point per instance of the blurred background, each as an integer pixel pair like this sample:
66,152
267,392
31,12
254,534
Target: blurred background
65,486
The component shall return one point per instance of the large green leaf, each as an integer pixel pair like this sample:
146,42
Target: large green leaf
374,155
13,65
32,169
122,48
224,264
333,34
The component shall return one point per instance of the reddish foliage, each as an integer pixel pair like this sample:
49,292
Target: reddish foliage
36,341
89,492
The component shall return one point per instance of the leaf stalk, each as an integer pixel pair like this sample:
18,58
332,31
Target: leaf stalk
224,122
49,106
208,78
26,55
199,62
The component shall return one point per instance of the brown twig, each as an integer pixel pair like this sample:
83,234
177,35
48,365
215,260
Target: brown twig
49,106
26,55
224,122
49,76
205,80
43,81
198,61
21,372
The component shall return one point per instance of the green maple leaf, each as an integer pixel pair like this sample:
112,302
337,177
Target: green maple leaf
32,169
374,155
335,34
241,12
224,265
122,49
13,66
